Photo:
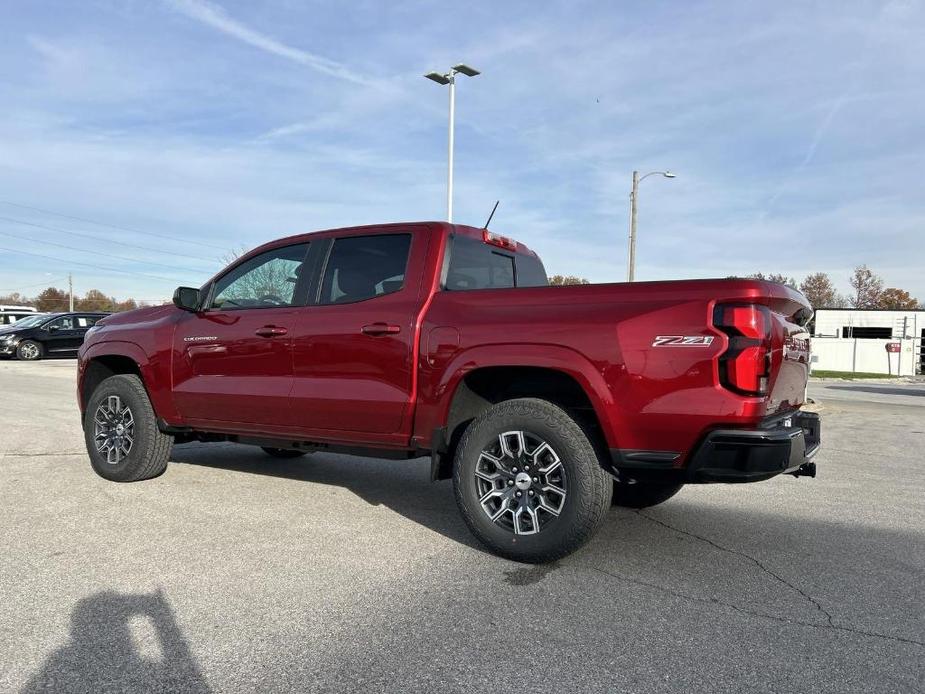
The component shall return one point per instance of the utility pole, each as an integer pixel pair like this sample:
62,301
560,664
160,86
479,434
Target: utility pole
631,259
70,290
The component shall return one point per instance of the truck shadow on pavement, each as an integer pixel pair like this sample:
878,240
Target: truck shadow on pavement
121,642
404,486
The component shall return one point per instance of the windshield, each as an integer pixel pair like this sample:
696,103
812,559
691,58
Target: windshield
29,322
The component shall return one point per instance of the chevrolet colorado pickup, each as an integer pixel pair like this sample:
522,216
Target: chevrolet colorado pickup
544,405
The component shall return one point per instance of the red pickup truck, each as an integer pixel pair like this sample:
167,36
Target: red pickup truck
543,404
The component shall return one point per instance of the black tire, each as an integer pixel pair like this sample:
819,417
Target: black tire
282,452
150,449
642,495
587,485
30,350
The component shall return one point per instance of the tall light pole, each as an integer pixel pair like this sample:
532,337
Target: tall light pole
637,179
450,79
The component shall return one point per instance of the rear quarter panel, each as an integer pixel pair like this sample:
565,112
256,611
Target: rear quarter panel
645,396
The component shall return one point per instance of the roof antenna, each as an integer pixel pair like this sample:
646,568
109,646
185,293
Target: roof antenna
492,214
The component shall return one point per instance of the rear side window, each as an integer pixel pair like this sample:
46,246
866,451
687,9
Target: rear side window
478,265
530,272
365,267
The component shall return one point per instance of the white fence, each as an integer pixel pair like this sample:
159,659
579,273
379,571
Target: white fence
866,355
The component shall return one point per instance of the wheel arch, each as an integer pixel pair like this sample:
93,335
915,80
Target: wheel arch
105,359
551,373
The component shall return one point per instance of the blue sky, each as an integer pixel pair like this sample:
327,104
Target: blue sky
797,131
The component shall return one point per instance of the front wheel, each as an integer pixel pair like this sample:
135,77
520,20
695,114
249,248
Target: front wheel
642,495
528,481
29,350
121,432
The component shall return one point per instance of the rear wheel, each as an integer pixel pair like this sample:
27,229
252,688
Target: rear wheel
528,481
641,495
283,452
29,350
121,432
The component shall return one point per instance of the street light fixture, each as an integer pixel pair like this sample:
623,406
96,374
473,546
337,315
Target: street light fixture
634,194
450,79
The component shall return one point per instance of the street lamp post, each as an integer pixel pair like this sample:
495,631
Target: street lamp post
449,78
634,194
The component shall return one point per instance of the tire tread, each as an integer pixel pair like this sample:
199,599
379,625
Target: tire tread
592,483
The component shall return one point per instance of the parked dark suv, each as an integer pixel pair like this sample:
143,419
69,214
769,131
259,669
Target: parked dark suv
46,335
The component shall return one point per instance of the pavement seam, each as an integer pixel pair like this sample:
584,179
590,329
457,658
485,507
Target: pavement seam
829,619
752,613
750,558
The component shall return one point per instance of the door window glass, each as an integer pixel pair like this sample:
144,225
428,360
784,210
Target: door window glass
265,281
63,323
365,267
475,265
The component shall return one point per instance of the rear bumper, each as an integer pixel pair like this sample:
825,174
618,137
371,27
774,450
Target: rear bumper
783,445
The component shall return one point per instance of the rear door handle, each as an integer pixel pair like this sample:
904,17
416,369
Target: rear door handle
380,329
270,331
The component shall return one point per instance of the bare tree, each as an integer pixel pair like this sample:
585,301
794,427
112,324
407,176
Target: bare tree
780,279
820,291
52,299
867,288
562,280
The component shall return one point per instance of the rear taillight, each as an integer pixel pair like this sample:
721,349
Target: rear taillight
746,365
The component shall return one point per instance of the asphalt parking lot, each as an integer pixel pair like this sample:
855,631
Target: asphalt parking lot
234,572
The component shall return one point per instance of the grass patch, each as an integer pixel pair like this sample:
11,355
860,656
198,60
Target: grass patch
851,375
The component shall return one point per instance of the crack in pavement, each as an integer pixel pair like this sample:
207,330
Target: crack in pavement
753,613
743,555
830,623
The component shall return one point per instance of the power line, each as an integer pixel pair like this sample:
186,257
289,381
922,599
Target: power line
32,286
95,267
97,238
111,226
83,250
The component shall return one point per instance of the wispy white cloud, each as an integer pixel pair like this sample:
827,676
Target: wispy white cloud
215,16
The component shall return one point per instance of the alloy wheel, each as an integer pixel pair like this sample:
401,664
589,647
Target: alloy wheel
29,351
521,482
114,429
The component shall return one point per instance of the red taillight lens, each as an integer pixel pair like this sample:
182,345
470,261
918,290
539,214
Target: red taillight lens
745,366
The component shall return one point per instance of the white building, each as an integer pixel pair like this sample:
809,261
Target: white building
868,340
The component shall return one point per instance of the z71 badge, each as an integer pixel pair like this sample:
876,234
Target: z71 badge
683,340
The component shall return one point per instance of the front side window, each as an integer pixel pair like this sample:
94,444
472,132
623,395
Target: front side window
267,280
64,323
365,267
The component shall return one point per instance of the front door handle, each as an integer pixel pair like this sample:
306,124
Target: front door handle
380,329
270,331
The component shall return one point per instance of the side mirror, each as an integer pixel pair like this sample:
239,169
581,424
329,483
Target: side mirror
54,328
187,298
